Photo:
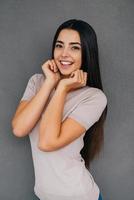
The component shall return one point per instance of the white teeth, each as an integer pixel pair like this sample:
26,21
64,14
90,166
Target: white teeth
66,62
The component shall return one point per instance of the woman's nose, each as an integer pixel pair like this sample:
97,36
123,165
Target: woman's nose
65,52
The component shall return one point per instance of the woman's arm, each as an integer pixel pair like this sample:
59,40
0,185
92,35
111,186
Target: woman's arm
50,123
25,120
53,134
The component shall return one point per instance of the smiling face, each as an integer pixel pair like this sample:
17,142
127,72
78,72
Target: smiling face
67,52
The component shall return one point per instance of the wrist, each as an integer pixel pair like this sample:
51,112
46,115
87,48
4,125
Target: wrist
48,85
61,88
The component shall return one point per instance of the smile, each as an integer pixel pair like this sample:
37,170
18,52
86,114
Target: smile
66,63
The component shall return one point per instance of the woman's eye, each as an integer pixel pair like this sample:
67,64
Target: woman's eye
58,46
76,48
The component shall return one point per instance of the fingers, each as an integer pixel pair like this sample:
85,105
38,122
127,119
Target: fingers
85,77
51,64
55,69
81,77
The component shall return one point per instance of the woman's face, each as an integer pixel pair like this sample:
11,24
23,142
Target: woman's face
67,52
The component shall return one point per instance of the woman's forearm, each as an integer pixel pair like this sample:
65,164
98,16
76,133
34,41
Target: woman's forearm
50,123
24,121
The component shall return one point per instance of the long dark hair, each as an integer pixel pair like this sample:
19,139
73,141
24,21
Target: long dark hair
94,136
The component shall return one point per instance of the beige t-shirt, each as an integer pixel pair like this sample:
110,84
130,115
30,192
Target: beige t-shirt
61,174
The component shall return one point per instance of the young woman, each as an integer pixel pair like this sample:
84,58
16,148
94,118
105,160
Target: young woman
63,111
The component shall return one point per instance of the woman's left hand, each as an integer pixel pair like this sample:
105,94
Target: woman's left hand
77,79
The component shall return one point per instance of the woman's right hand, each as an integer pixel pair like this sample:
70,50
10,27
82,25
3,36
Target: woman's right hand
51,72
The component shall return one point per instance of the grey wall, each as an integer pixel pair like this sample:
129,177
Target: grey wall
26,31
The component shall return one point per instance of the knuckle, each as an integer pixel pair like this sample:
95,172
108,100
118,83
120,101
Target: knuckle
85,75
76,79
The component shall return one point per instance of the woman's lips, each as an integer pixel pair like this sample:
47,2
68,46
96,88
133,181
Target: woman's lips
66,64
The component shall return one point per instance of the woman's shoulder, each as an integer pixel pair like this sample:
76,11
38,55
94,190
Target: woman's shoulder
96,93
96,90
37,80
37,76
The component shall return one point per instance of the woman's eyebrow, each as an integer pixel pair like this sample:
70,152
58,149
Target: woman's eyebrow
75,43
72,43
60,41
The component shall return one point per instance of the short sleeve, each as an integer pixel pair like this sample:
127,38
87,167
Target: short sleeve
89,110
30,89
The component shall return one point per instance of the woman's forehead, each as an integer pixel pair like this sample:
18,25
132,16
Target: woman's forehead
69,35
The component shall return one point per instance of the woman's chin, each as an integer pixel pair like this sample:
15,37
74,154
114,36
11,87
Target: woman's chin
65,73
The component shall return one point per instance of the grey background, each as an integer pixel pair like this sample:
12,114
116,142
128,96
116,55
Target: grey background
26,31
